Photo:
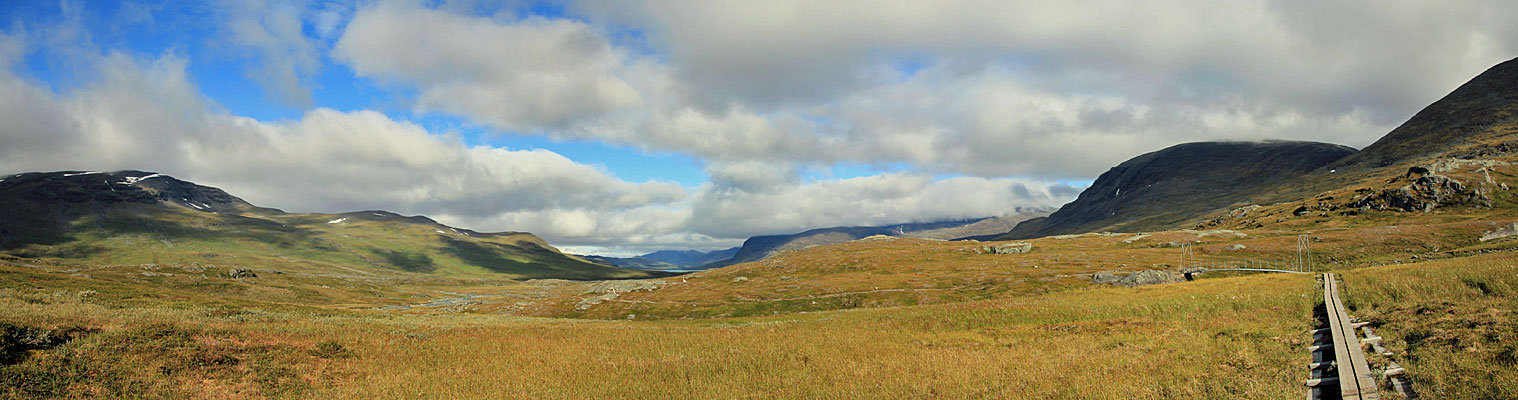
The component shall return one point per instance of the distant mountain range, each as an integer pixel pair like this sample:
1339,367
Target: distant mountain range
143,217
690,258
667,260
762,247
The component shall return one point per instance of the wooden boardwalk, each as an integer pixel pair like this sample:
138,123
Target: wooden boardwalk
1354,378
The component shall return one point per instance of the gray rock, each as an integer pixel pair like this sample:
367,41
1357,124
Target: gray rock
1014,248
239,273
585,304
626,286
1106,277
1501,232
1146,277
740,279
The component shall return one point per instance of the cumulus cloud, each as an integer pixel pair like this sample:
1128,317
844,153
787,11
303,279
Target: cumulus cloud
1007,98
145,113
530,74
983,88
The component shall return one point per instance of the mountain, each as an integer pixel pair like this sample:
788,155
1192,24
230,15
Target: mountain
1480,110
666,260
127,217
631,262
690,258
1168,187
762,247
982,226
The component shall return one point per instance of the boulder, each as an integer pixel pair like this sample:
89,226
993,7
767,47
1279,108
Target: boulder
239,273
1501,232
1146,277
1106,277
1014,248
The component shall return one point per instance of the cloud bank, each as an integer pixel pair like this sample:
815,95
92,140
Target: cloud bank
962,108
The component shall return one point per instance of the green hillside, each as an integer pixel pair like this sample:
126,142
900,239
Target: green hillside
123,219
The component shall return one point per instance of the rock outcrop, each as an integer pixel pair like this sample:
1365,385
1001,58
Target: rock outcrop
1424,193
1140,278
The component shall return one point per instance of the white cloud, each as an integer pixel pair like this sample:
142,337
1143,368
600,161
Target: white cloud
882,199
146,114
528,75
985,88
286,59
1011,95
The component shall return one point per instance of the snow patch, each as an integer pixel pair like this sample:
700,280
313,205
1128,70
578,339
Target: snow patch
132,180
83,173
438,231
337,221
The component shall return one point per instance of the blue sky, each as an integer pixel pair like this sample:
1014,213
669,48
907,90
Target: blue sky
625,127
222,75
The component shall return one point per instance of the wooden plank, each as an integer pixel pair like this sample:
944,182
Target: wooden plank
1355,379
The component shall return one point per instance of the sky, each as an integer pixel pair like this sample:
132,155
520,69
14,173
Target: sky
624,127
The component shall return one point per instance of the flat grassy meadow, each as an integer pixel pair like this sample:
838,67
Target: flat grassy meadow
188,331
1195,340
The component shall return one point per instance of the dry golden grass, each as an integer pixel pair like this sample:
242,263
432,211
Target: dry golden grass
867,319
1207,339
905,272
1451,323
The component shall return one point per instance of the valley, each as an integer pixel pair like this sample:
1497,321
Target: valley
129,284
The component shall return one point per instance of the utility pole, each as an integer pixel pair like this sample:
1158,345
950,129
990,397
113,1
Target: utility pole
1304,253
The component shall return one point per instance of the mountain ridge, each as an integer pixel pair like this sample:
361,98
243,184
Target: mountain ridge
761,247
1167,187
142,216
1468,113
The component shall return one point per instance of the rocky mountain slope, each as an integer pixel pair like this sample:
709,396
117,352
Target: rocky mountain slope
1165,188
141,217
1480,110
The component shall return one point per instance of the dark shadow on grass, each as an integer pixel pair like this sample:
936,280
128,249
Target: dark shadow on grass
530,260
216,227
405,261
496,257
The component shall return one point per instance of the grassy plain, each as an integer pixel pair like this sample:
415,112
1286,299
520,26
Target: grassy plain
1196,340
912,319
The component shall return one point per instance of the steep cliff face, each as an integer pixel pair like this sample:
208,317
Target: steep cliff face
1162,189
